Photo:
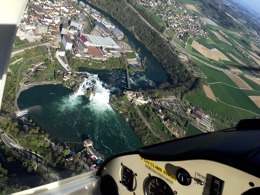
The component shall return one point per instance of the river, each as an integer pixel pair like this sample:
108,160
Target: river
69,116
152,77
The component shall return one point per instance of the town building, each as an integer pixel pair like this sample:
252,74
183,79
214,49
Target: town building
98,41
118,34
42,29
62,59
37,9
95,53
64,28
107,24
67,42
21,34
77,25
34,68
82,47
84,39
203,119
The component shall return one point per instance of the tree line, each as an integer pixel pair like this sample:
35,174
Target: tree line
152,18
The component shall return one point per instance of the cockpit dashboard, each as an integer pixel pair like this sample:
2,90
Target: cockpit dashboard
221,163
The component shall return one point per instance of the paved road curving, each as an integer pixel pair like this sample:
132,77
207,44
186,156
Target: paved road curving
29,154
147,123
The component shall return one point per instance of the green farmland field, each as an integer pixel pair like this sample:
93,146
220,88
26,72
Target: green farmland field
219,109
225,48
192,130
233,104
214,42
192,2
238,40
234,97
252,93
214,75
254,85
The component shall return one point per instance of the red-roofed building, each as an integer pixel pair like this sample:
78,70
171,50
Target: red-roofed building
83,39
199,113
95,52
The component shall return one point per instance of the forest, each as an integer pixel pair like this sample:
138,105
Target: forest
152,18
16,165
120,102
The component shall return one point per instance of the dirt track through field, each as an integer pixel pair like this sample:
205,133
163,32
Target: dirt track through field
238,60
221,38
224,34
254,47
209,93
256,100
257,81
239,82
213,54
234,69
255,57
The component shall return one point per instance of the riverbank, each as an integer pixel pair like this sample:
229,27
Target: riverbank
25,87
68,117
120,103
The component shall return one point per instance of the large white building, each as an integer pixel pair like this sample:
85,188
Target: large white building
77,25
41,29
67,43
98,41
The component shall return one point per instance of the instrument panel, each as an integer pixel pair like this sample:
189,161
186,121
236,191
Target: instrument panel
132,174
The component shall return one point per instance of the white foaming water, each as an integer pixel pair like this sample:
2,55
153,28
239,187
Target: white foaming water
132,82
138,79
99,98
81,89
69,103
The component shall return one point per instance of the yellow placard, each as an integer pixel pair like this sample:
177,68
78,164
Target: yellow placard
158,169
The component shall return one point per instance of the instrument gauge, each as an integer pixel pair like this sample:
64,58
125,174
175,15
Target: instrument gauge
183,177
155,185
128,178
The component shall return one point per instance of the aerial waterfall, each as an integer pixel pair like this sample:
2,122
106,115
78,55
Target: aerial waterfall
99,97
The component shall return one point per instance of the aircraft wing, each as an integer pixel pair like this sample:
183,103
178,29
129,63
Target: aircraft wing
10,15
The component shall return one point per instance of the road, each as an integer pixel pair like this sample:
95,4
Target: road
29,154
9,142
52,175
29,47
147,124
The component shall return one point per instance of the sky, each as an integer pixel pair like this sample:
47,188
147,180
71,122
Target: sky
253,4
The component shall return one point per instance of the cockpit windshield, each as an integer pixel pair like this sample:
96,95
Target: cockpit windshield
90,79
